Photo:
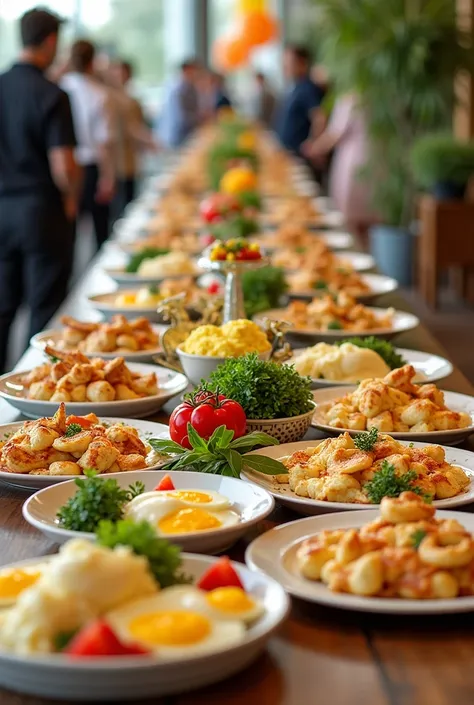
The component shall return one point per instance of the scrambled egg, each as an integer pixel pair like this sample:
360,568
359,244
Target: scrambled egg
230,340
345,363
167,265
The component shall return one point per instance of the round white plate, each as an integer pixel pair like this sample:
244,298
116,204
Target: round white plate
51,338
121,277
336,240
453,401
401,322
251,502
274,554
429,368
105,304
170,384
134,678
307,506
359,261
379,284
146,430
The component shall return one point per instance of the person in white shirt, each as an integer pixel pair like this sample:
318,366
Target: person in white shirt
94,125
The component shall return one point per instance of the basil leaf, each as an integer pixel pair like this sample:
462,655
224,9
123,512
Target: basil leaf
234,460
194,457
166,446
256,438
195,439
268,466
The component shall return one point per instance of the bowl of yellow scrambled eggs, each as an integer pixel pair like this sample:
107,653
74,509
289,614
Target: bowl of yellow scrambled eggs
208,346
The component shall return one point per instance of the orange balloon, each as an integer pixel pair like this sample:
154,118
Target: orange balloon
259,28
230,53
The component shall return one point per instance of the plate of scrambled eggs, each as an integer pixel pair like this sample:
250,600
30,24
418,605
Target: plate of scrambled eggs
332,365
156,269
403,558
333,475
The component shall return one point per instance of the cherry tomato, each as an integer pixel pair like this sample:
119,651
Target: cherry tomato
218,205
220,574
98,639
179,420
214,288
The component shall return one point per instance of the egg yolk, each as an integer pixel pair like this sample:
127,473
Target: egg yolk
230,599
192,496
182,521
14,582
174,628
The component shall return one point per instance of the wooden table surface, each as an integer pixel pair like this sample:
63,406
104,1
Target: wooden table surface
321,655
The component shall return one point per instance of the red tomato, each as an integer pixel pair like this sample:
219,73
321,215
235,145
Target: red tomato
208,416
214,288
98,639
220,574
217,206
81,420
179,420
207,239
165,484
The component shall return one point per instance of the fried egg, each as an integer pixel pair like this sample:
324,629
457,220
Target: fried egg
207,499
170,515
172,631
222,603
13,581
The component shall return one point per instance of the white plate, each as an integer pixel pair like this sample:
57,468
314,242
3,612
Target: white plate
170,384
429,368
146,429
251,502
105,304
359,261
307,506
401,322
121,277
134,678
453,401
274,554
51,338
379,284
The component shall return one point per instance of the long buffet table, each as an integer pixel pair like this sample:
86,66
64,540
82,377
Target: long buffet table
321,655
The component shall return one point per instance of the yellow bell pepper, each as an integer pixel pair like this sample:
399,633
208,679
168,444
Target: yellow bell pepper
237,180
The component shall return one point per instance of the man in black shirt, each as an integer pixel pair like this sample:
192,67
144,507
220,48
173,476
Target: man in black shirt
38,181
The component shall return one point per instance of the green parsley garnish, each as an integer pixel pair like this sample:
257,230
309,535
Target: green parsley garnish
164,557
263,289
73,429
366,441
97,498
146,253
382,347
417,537
334,325
386,483
320,284
62,639
153,290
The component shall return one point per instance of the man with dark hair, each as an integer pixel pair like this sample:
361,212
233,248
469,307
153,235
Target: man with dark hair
181,114
299,108
94,121
38,181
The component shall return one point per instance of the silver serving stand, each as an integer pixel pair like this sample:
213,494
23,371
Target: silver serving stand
233,293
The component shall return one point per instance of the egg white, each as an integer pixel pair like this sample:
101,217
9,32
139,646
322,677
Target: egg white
217,500
222,635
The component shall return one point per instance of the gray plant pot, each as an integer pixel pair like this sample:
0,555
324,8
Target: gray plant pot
393,250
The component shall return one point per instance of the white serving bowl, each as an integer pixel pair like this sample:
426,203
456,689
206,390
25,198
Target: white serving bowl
198,367
251,502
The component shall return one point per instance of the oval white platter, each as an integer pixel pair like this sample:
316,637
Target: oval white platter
134,678
123,278
274,554
335,240
401,322
146,430
170,384
379,284
251,502
105,304
307,506
53,337
359,261
453,401
429,368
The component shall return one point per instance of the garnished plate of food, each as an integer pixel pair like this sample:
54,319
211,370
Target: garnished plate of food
36,454
156,269
319,258
363,287
353,473
393,404
200,512
355,359
135,340
327,319
290,235
163,240
103,387
406,557
130,617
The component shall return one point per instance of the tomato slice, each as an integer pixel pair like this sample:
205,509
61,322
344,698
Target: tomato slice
81,420
99,639
166,484
221,574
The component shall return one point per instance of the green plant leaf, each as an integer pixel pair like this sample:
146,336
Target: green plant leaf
265,465
256,438
234,461
166,446
195,439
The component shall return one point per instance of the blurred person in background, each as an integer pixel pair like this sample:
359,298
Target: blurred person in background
297,115
38,181
133,136
94,120
181,112
220,95
263,101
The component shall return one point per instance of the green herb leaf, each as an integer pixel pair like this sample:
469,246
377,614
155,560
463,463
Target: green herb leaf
165,445
366,441
72,429
334,325
382,347
417,537
62,639
268,466
136,489
234,461
263,289
164,557
146,253
195,439
320,284
251,440
386,483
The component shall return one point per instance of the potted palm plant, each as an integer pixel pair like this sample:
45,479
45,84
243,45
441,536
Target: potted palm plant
443,165
400,57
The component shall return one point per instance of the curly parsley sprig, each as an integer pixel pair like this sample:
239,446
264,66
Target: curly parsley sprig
386,483
366,441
